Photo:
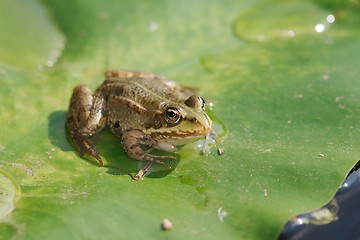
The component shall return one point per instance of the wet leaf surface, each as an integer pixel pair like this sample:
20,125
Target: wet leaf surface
290,105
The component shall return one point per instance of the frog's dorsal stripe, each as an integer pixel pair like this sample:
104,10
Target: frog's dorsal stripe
134,105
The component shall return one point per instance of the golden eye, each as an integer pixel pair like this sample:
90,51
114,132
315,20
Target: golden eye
172,116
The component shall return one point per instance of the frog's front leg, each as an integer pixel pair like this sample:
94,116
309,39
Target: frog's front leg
132,141
85,118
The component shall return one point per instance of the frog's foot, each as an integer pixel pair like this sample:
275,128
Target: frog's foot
132,142
157,159
145,155
85,147
143,171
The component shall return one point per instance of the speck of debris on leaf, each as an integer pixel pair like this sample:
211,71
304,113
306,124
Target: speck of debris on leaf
221,151
221,214
166,225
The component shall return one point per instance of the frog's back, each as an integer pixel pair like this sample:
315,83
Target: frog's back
147,89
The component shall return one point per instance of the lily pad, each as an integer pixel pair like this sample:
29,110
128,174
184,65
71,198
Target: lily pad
290,104
23,27
9,194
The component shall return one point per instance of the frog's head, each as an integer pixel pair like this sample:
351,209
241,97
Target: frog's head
184,122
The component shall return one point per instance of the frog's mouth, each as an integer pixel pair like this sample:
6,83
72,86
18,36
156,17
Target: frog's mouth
182,134
177,139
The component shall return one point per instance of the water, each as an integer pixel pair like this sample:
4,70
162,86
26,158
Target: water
293,20
338,219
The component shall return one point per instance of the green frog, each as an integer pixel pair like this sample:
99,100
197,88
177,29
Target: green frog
144,110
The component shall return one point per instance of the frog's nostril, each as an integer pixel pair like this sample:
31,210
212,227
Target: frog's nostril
194,120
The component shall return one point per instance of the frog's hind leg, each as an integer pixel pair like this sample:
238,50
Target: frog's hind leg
85,119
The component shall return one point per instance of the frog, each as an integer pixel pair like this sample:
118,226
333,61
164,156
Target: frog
144,110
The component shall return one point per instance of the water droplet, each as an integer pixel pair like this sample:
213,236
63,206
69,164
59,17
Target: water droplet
50,63
153,27
319,28
282,20
330,18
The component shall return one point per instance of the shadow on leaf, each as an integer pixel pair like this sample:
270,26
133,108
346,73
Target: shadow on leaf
109,146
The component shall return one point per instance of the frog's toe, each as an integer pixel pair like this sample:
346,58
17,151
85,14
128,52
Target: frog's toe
87,150
165,157
158,159
99,160
93,157
169,157
161,163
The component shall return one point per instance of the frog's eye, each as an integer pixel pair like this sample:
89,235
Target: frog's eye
172,116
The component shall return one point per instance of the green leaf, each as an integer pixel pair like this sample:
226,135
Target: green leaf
28,39
285,87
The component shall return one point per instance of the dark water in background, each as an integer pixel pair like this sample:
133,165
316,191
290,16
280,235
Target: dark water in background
338,219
